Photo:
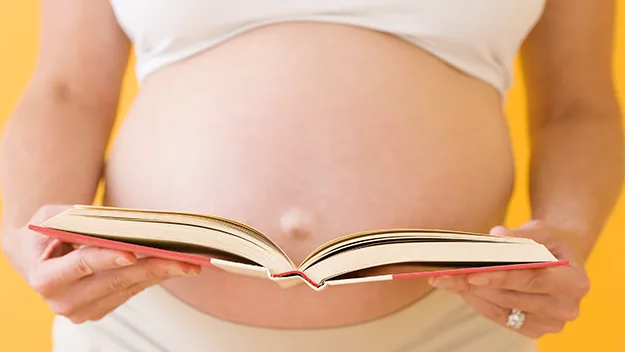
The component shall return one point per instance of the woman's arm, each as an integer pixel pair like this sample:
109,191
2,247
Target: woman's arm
576,169
575,123
52,153
54,143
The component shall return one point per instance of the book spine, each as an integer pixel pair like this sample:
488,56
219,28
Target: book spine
301,274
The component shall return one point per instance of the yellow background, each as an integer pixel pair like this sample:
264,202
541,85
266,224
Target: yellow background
25,319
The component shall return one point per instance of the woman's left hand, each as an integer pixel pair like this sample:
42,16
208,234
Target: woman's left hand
549,297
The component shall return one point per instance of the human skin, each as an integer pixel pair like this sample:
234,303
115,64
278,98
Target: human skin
310,126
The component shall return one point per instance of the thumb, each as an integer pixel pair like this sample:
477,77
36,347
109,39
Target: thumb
527,230
49,211
47,247
531,224
532,229
499,231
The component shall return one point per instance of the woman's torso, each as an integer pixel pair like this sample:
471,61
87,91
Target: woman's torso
344,128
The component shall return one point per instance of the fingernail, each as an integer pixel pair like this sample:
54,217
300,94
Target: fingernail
121,261
443,282
180,272
175,272
193,272
498,230
478,281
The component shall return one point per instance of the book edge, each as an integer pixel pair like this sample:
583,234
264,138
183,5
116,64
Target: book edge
78,239
219,263
217,218
265,236
482,269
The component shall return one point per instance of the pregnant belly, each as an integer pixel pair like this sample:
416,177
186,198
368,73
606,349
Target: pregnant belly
326,131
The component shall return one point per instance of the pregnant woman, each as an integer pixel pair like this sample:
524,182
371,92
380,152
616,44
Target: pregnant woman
309,120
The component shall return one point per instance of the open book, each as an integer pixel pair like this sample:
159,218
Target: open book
241,249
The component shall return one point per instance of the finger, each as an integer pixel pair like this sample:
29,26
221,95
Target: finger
100,308
56,273
55,248
534,326
86,292
547,280
454,283
106,283
539,304
103,307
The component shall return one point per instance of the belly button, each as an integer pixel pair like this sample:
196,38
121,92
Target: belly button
297,224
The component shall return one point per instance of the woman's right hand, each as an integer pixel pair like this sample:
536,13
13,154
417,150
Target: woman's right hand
84,283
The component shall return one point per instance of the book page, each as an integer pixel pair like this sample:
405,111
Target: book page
183,218
427,253
398,236
169,232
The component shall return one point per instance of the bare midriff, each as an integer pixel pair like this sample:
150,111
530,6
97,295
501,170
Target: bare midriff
335,128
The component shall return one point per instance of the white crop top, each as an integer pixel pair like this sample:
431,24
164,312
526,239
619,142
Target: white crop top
478,37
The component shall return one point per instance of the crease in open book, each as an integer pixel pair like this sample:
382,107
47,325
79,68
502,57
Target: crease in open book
301,274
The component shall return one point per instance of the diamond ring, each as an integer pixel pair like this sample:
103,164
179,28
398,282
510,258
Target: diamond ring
516,319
